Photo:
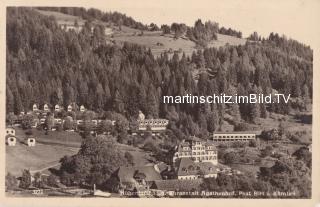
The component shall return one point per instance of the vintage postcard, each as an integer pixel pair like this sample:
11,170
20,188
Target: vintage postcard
160,102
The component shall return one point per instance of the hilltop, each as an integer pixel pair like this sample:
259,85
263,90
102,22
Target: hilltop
155,40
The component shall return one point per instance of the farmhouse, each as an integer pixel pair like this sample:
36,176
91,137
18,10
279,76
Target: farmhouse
11,141
140,178
10,132
187,169
152,124
197,150
233,136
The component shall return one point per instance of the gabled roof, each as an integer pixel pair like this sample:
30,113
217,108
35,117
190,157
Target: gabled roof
240,132
186,167
127,174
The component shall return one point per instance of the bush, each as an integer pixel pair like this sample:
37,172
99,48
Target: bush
11,182
29,132
242,127
238,144
252,143
129,158
149,146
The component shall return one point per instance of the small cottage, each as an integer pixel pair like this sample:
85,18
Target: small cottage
11,141
31,142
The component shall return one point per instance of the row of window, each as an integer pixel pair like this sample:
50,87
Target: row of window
188,178
235,136
197,153
198,148
10,132
231,140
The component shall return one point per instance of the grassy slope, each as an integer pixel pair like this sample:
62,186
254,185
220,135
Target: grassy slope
51,148
148,39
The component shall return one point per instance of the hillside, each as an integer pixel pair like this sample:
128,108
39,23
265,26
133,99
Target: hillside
155,40
48,64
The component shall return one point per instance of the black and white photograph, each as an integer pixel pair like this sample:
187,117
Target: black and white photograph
158,101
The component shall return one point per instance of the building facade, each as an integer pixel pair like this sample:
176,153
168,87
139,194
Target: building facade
187,169
152,124
197,150
233,136
10,132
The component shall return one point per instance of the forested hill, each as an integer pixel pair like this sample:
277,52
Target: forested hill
46,64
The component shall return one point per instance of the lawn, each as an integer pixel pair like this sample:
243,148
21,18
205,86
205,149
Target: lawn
157,43
71,139
35,158
222,40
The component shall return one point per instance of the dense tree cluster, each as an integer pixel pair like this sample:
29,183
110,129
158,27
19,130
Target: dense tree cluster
95,14
230,32
46,64
97,159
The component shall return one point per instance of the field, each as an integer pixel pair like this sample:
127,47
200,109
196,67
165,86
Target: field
50,149
37,158
70,139
157,42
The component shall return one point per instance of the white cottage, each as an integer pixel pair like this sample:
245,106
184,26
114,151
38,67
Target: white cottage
82,108
57,107
45,107
11,141
35,107
69,108
31,142
10,132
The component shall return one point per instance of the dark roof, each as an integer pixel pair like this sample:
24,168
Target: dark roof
240,132
161,167
126,174
180,185
186,166
139,175
190,142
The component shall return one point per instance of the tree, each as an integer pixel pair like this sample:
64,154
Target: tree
49,122
129,158
27,121
37,180
105,126
96,160
52,180
165,29
303,154
68,123
11,182
230,158
11,118
121,123
149,146
25,181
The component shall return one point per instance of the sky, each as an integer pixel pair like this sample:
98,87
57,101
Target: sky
294,18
